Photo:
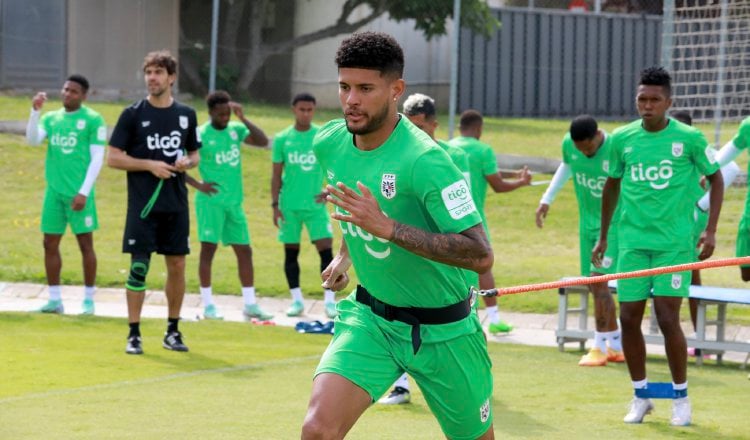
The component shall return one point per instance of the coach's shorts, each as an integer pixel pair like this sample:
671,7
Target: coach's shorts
57,213
701,221
454,375
316,221
166,233
587,241
670,284
743,239
217,222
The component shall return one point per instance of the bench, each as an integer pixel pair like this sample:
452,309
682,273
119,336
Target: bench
707,297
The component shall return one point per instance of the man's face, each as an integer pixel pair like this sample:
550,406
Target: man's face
158,81
220,115
303,112
652,103
366,98
72,95
587,146
428,125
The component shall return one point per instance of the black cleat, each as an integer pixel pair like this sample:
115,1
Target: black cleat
134,345
173,341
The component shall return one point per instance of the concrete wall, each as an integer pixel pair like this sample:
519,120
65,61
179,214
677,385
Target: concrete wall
107,40
313,68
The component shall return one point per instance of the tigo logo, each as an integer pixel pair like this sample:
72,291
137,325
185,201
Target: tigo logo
166,143
653,174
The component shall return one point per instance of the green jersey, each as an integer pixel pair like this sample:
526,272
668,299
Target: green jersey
71,135
482,162
458,157
415,183
302,179
742,142
657,172
221,161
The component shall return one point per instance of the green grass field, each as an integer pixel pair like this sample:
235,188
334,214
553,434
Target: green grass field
66,377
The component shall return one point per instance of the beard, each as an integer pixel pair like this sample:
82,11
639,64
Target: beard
373,123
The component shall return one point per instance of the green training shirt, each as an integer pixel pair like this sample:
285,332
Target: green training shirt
742,142
221,161
302,178
482,162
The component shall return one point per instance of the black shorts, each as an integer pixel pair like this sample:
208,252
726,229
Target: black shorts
166,233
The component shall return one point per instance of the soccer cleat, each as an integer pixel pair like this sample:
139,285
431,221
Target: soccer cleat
134,345
211,312
681,412
52,306
638,409
254,311
500,327
396,396
594,358
615,355
87,307
331,311
295,309
173,341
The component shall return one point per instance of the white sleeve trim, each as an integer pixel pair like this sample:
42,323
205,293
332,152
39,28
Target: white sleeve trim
97,159
34,134
727,153
563,173
729,173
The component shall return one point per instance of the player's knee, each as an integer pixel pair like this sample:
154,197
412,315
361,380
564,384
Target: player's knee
139,265
314,428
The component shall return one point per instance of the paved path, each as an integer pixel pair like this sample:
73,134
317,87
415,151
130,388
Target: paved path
529,328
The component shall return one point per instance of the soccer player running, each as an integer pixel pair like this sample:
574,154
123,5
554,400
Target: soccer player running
483,172
420,109
652,168
148,142
410,229
218,202
76,137
585,155
297,200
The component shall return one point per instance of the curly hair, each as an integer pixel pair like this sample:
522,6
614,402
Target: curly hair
161,58
419,104
218,97
80,80
303,97
656,76
371,50
583,127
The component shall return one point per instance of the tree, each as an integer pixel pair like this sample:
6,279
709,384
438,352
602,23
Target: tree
243,44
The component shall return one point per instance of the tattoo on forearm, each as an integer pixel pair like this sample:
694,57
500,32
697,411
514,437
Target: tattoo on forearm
465,250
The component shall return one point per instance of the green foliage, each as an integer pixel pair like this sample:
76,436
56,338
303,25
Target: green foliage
431,15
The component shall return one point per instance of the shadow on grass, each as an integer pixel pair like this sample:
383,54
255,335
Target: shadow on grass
519,423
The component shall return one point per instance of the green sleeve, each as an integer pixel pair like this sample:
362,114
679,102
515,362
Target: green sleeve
98,130
616,164
277,154
243,132
565,150
742,139
489,161
703,155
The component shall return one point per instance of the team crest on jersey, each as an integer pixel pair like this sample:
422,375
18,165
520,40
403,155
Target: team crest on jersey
484,411
605,166
711,155
81,124
388,186
184,122
677,148
233,135
676,281
145,124
330,175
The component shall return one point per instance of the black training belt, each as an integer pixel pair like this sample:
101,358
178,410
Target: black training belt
414,316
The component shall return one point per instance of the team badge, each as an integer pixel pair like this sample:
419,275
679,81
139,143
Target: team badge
330,175
711,155
101,134
605,166
81,124
388,186
676,281
89,221
184,122
484,411
233,135
627,150
677,149
145,124
607,262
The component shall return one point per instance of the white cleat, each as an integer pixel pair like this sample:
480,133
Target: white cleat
682,414
638,409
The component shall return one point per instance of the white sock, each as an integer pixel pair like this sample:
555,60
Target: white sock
248,295
638,384
679,386
55,293
492,314
614,338
402,382
329,296
296,294
600,341
88,292
207,296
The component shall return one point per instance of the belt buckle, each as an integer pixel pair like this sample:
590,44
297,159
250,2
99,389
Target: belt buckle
473,293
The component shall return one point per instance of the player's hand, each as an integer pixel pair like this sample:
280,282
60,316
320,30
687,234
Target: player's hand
236,108
334,276
597,254
321,197
278,217
161,169
37,102
364,210
206,187
183,164
541,214
525,176
78,203
707,244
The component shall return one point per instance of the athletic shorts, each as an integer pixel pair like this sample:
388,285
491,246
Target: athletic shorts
316,221
701,221
166,233
587,241
57,213
743,239
670,284
454,375
217,222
